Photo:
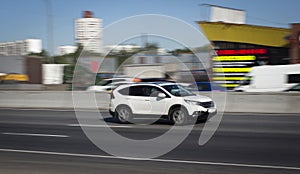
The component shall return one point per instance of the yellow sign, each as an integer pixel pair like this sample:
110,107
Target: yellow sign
229,85
219,70
234,58
227,78
15,77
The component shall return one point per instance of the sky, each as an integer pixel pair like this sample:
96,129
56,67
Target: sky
22,19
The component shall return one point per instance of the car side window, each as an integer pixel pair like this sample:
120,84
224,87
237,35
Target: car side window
124,91
143,91
154,91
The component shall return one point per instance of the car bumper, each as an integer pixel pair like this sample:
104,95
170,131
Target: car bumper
111,113
204,115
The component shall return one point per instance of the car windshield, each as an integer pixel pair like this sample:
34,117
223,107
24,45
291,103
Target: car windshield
104,82
177,90
296,88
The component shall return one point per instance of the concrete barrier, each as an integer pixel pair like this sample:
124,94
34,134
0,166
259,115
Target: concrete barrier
263,103
53,99
280,102
235,102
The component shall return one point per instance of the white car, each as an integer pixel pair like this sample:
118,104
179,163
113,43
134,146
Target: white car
107,85
167,100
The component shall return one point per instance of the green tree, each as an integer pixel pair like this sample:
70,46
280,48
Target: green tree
77,53
44,54
69,70
180,51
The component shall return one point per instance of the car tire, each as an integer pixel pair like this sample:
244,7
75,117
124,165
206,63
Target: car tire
123,114
179,116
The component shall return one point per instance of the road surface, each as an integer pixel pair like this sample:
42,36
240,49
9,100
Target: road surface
51,141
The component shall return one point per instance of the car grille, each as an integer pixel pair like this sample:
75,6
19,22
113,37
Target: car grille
207,104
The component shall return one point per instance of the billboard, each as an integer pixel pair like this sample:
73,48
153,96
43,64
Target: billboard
231,65
228,15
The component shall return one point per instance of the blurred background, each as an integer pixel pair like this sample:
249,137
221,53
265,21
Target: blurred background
40,50
61,59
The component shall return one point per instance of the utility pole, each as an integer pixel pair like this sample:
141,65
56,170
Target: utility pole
49,28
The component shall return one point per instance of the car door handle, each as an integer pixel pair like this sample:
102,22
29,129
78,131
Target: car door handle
147,99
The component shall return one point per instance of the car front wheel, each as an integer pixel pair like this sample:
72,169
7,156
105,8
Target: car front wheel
179,116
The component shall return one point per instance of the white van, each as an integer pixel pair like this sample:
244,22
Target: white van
270,78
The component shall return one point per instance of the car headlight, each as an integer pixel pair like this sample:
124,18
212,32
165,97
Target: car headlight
191,102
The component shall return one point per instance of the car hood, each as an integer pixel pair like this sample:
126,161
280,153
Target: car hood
199,98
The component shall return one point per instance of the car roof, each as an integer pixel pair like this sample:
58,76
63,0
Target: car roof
150,84
118,78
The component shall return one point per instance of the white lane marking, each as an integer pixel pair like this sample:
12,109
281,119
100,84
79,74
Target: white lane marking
97,125
154,160
36,135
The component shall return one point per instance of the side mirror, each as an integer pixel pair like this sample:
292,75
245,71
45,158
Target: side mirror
161,95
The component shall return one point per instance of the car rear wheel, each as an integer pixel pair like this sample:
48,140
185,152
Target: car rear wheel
179,116
123,114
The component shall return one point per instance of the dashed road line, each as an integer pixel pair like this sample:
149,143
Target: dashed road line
97,125
35,135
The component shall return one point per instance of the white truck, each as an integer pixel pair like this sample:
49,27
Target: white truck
270,78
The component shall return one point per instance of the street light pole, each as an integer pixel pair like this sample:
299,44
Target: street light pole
49,27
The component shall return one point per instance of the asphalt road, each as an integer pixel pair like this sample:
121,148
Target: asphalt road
51,141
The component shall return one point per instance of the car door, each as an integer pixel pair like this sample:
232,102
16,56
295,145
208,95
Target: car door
139,99
158,106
